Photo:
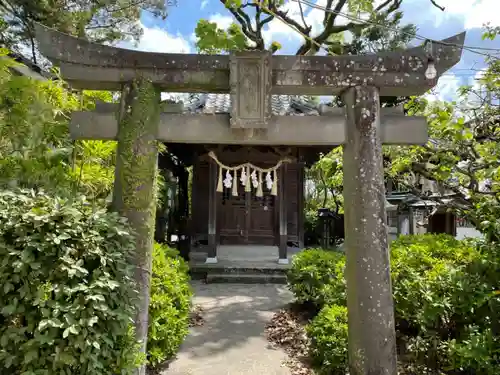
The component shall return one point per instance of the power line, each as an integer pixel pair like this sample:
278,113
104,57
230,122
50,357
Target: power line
398,30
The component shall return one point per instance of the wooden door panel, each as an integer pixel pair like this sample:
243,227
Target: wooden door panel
232,217
244,219
262,214
233,226
200,198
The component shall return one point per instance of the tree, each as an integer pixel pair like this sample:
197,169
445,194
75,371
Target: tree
463,154
252,17
35,148
328,180
97,20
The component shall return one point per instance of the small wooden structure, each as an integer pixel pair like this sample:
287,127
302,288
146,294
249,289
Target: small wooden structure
418,216
251,78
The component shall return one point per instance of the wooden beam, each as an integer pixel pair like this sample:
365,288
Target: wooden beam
87,65
326,130
300,203
283,215
212,213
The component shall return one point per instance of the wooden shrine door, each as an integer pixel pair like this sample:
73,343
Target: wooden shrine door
262,218
232,216
247,219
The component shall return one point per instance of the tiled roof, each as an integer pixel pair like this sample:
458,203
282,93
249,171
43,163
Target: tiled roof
221,103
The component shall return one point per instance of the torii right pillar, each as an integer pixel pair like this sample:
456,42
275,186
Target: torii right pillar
372,338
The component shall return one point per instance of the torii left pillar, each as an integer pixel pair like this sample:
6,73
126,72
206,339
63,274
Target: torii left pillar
134,194
372,337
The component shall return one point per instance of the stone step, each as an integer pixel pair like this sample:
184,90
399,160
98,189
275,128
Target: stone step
245,278
246,269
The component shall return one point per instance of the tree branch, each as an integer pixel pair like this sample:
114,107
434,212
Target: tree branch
433,2
302,15
328,22
284,16
246,25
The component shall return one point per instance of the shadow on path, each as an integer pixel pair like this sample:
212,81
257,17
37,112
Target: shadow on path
232,339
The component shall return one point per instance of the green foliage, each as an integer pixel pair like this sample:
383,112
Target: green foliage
477,350
36,151
97,20
462,154
67,297
213,40
35,148
447,303
327,175
491,32
328,335
253,18
169,306
424,269
317,276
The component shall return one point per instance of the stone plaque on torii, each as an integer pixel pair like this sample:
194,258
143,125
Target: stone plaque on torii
251,77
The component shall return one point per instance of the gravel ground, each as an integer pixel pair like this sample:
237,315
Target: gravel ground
232,339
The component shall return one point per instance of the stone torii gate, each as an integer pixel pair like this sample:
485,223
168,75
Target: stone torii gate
251,77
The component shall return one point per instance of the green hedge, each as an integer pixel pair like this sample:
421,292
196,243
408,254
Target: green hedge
67,294
446,295
316,276
447,304
170,304
67,299
328,333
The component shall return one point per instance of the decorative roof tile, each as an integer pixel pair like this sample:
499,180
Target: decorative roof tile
221,103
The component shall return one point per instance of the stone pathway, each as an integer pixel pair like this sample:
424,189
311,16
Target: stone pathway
232,340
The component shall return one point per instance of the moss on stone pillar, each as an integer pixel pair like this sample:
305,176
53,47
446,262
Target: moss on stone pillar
135,183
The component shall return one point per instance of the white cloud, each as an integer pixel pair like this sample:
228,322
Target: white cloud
204,3
445,89
315,18
473,100
279,30
475,13
222,21
155,39
449,84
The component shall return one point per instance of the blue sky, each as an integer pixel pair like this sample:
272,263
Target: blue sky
176,33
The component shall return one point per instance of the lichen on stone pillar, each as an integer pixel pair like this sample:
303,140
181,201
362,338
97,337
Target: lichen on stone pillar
372,340
134,194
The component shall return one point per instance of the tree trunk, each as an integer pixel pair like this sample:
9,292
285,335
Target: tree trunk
135,185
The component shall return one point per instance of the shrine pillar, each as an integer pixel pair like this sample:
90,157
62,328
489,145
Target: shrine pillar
134,195
212,213
283,217
372,338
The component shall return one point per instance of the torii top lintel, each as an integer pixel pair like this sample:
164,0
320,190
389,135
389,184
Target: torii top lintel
88,65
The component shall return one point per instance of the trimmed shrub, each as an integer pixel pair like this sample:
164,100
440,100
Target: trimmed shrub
67,294
447,303
425,272
169,306
447,307
317,276
328,335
